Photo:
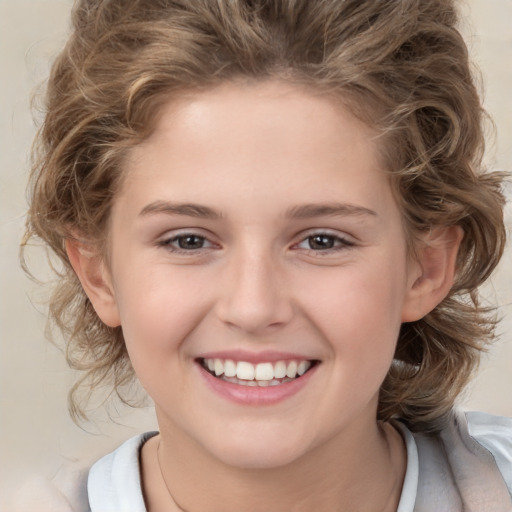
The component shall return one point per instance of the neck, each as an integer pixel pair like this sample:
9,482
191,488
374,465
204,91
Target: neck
354,471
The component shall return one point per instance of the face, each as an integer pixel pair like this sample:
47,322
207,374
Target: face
258,269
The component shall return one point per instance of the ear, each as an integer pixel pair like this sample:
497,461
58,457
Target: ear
432,273
93,274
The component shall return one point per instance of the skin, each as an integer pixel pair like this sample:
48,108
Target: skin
255,154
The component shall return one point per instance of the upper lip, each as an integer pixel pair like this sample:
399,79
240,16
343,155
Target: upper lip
266,356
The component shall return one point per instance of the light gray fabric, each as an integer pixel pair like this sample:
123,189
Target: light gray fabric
114,483
466,468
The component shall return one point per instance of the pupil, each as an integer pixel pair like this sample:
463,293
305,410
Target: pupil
190,242
321,242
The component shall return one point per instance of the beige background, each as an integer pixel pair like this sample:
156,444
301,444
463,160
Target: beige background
36,435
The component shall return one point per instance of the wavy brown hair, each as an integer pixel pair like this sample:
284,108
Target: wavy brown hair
399,65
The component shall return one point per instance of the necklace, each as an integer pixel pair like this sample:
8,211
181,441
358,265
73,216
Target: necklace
163,479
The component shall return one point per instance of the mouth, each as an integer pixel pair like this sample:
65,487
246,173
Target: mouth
263,374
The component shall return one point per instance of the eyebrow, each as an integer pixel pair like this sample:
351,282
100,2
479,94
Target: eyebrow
186,209
308,211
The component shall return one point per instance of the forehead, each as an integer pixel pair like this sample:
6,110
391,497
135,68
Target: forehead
251,140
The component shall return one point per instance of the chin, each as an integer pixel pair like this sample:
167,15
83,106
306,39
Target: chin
258,459
257,452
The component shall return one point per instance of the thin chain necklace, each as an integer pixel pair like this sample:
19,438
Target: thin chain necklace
163,478
184,510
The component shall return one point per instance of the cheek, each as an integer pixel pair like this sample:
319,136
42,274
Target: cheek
359,313
155,323
358,299
158,310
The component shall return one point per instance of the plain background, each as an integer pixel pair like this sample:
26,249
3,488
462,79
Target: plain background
36,435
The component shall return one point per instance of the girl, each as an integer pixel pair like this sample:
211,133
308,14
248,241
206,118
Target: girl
273,213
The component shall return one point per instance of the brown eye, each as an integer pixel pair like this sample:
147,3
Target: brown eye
321,242
186,242
190,242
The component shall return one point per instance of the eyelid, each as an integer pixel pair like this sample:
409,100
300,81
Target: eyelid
166,240
345,241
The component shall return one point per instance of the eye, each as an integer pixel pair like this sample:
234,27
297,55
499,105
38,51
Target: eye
319,242
185,242
190,242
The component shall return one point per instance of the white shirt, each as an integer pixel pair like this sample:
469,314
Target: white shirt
465,468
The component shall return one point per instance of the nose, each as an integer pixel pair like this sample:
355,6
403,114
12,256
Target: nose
254,297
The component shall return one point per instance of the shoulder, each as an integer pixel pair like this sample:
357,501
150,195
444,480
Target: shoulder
468,464
114,481
493,433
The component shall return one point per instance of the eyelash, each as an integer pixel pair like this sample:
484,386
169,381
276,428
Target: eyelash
338,243
168,243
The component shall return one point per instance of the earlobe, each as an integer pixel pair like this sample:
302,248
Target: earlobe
432,273
90,269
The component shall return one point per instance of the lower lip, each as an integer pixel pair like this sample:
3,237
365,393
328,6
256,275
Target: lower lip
254,395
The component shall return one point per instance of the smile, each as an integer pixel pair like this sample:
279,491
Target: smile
262,374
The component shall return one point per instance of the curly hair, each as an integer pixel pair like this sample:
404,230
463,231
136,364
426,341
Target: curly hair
401,66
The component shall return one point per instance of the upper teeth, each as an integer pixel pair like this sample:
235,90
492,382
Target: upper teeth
261,371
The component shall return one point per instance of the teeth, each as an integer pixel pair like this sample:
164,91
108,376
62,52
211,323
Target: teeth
264,371
291,371
229,368
303,366
245,371
261,374
218,367
280,370
259,383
